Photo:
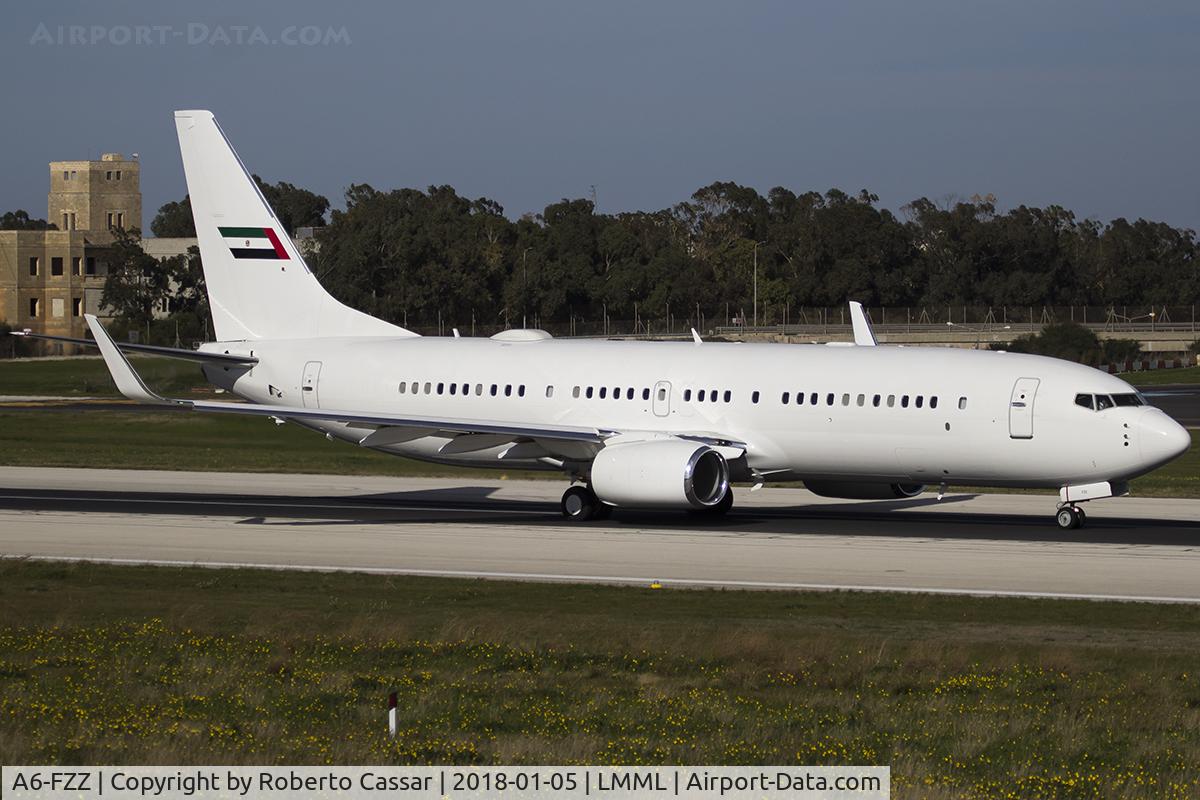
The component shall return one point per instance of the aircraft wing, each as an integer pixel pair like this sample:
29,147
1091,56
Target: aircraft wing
154,350
381,429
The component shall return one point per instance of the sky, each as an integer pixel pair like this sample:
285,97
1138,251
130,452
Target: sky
1094,105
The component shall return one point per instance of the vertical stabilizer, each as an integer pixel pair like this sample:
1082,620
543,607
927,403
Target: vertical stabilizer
258,284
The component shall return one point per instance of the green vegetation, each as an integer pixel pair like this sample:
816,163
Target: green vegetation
1073,342
963,697
1162,377
88,377
138,439
185,440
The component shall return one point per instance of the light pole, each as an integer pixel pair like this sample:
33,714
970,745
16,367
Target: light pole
756,245
524,288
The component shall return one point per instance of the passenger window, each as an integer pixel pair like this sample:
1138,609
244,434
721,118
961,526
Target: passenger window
575,393
785,397
521,390
933,401
962,404
508,390
845,399
645,394
862,399
549,391
441,387
453,388
1085,400
629,393
700,396
891,401
603,392
712,395
904,401
415,388
403,387
728,395
812,399
1103,402
662,395
754,397
875,401
799,398
589,393
829,399
493,390
478,389
428,386
466,389
920,401
687,395
617,393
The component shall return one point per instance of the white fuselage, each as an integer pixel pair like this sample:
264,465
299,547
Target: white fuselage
986,418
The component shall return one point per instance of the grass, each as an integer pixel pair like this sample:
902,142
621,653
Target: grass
1161,377
88,377
963,697
182,440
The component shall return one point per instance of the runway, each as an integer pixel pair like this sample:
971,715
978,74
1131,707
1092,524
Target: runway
1132,549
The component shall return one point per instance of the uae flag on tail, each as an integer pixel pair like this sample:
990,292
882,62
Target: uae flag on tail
254,243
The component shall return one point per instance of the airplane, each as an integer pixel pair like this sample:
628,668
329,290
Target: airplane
636,424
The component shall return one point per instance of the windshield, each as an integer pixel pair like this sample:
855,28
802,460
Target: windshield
1100,402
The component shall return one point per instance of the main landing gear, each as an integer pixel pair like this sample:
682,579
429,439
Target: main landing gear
580,504
1070,517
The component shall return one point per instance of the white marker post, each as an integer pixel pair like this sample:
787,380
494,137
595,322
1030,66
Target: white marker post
392,715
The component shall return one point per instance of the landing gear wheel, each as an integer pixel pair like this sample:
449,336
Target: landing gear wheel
579,504
1069,518
1082,516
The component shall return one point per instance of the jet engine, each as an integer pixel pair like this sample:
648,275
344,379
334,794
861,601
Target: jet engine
864,491
660,473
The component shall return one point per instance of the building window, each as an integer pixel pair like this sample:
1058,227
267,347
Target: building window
121,220
66,226
90,265
33,306
72,220
118,174
109,221
33,265
56,265
108,175
77,307
76,265
66,175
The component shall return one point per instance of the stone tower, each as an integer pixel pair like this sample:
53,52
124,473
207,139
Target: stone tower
95,196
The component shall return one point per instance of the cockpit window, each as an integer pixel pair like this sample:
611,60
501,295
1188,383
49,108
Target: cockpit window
1127,400
1103,401
1084,400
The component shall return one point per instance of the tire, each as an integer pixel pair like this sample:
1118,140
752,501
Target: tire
578,504
1067,518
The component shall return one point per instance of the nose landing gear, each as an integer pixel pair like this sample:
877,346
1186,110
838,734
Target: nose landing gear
1070,517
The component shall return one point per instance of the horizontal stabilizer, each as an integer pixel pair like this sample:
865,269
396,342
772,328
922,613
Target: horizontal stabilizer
149,349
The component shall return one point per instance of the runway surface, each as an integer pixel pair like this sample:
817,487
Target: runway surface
1133,548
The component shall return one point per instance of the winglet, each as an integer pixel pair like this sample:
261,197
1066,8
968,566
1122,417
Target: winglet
696,337
123,375
863,335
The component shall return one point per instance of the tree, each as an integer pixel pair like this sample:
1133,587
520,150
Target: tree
20,220
136,283
295,207
175,219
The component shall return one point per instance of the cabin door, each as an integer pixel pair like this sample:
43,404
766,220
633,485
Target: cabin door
1020,408
662,398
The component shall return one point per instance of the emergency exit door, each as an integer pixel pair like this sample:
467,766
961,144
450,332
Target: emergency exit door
1020,408
309,383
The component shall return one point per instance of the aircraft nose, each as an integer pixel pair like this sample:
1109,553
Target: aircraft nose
1162,438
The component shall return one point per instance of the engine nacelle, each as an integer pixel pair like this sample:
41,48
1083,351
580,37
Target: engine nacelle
660,473
850,490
